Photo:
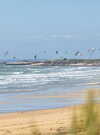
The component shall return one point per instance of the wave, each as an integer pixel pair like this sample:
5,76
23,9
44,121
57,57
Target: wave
36,77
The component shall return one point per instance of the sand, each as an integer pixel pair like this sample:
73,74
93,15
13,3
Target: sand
22,123
46,121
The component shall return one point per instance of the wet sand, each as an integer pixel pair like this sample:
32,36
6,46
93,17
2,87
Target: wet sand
27,101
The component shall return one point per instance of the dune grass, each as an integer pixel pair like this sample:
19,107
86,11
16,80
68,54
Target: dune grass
87,121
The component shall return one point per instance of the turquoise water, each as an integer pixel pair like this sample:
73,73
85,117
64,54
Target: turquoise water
25,87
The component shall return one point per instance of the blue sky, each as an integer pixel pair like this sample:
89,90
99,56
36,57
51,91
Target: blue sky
29,27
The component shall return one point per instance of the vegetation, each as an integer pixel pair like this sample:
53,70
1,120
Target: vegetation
87,122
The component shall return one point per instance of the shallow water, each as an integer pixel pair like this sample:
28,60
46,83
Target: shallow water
19,82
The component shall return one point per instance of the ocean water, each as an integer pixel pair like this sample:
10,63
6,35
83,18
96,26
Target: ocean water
27,87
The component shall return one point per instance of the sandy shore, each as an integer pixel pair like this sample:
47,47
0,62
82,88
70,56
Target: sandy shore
22,123
46,121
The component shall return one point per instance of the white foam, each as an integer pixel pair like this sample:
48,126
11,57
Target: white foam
41,76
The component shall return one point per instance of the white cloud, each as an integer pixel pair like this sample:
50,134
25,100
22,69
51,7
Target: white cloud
49,36
61,36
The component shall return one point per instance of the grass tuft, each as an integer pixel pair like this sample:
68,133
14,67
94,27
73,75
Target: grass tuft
87,122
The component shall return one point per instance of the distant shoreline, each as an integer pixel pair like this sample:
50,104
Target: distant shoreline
59,62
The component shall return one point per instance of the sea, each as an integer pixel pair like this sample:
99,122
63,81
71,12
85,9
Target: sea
28,87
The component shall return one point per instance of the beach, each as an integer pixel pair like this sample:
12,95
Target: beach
46,121
42,98
49,67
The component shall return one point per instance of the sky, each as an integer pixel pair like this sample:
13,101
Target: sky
30,27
